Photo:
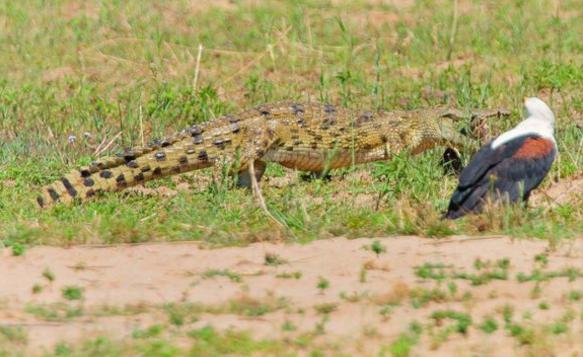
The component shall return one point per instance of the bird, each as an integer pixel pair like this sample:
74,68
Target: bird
510,166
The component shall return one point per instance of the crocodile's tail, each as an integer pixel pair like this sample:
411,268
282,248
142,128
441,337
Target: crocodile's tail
130,168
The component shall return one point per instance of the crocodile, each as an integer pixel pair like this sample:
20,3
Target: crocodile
312,137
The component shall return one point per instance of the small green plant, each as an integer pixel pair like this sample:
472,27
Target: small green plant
54,312
362,275
524,335
542,259
503,263
49,275
452,288
575,295
543,305
176,314
507,313
323,284
320,328
234,277
72,292
288,326
536,291
559,328
538,275
326,308
386,311
463,320
295,275
352,297
63,349
152,331
432,271
37,289
14,334
403,345
422,296
489,325
478,264
272,259
18,249
378,248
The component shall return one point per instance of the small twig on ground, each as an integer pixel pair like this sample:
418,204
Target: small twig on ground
100,151
257,193
464,240
453,32
197,67
141,116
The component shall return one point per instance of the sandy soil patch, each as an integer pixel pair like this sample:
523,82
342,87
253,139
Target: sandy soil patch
356,301
566,191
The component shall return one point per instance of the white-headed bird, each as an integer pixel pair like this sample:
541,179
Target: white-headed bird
510,166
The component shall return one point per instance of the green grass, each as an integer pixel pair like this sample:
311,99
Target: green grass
203,342
72,293
406,341
110,67
234,277
485,272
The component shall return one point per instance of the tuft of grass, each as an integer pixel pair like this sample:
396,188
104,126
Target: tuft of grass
489,325
326,308
18,249
72,292
37,289
432,271
13,334
234,277
463,320
378,248
208,342
537,275
575,295
272,259
323,284
405,343
152,331
49,275
295,275
423,296
54,312
288,326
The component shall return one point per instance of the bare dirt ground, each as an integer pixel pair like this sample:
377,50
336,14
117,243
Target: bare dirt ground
339,291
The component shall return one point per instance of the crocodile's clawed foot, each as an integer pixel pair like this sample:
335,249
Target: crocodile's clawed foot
315,175
458,114
478,127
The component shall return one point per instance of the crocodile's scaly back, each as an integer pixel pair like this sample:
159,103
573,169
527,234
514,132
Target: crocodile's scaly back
309,137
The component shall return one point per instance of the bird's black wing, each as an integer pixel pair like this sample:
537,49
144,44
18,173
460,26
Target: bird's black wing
499,171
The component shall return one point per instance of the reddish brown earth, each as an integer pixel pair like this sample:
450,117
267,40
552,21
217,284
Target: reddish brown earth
370,309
